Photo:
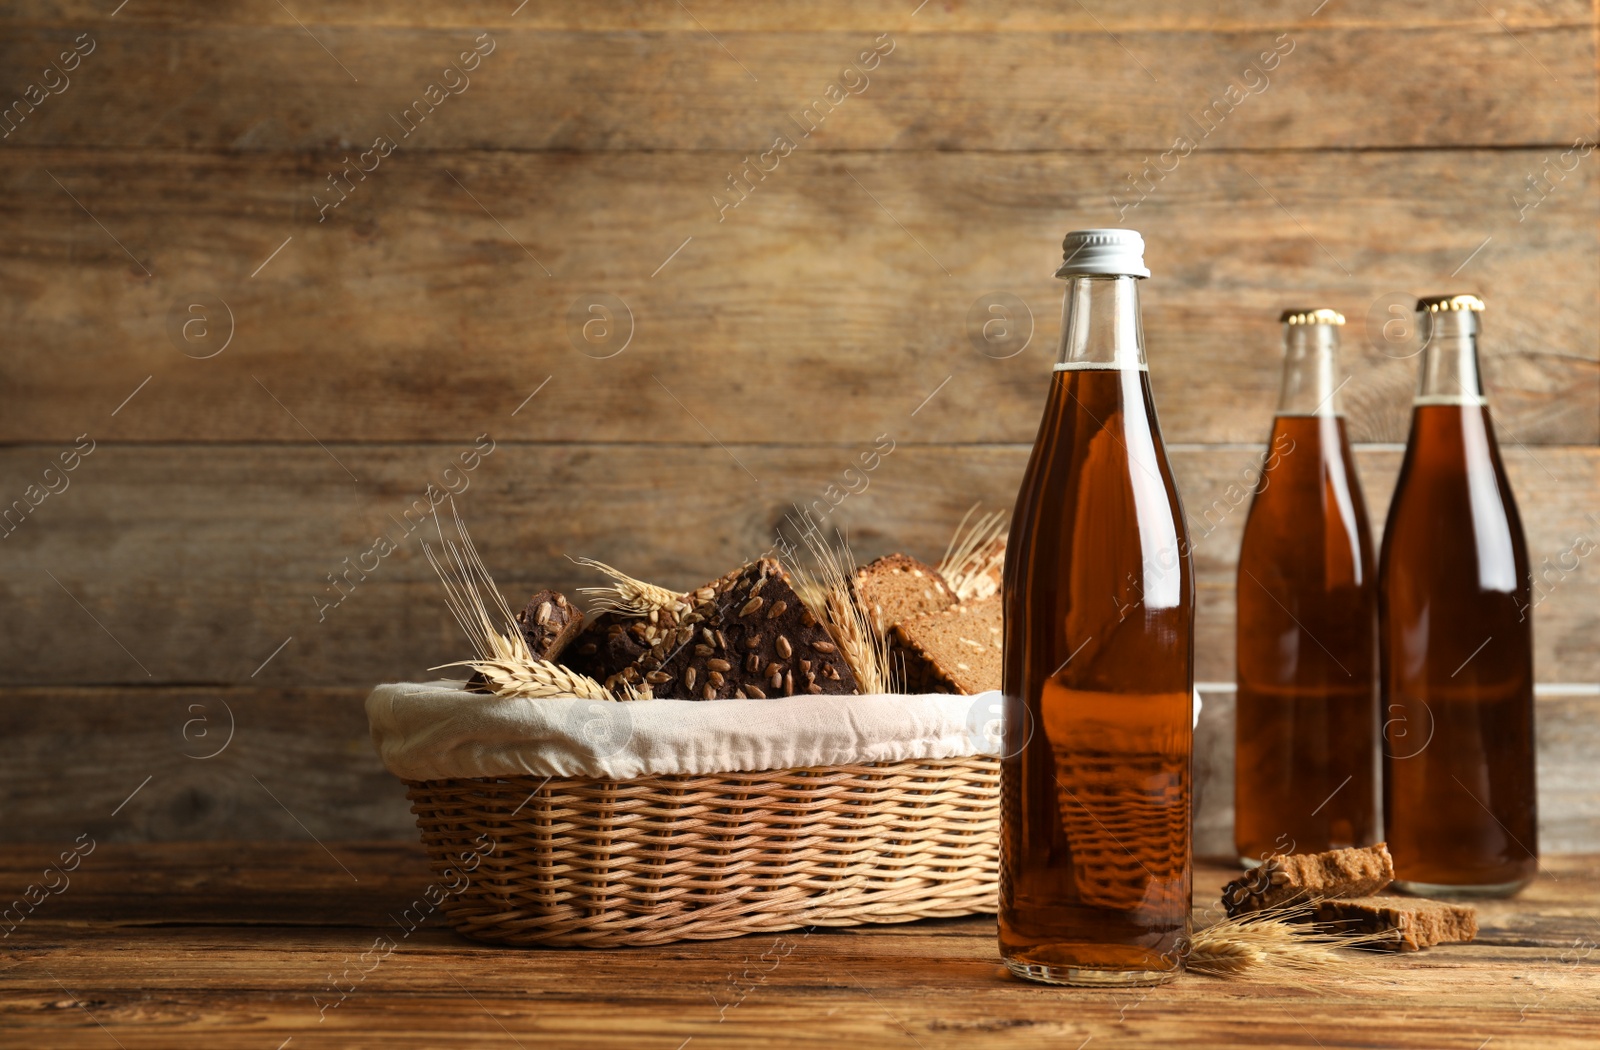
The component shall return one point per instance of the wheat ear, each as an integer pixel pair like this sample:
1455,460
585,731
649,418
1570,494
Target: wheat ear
628,596
503,657
829,595
1270,943
466,581
534,678
970,559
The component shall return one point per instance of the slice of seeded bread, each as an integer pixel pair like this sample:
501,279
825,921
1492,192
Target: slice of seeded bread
1400,924
954,650
898,587
749,637
1287,879
611,643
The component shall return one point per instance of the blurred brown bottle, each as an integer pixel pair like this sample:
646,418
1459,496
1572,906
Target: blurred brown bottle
1306,730
1455,637
1099,658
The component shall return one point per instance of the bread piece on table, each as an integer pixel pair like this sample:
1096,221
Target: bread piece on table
1401,924
749,635
897,587
549,624
1287,879
954,650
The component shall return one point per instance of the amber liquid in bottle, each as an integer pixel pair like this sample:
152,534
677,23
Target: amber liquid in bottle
1099,614
1456,641
1305,777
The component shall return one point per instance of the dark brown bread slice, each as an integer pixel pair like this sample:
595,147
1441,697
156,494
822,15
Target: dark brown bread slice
1401,924
955,650
1283,880
610,645
898,587
549,624
749,636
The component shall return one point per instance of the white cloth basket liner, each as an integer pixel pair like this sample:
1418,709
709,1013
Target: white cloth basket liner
438,731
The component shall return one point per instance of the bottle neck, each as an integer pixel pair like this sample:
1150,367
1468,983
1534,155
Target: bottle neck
1100,325
1311,374
1450,360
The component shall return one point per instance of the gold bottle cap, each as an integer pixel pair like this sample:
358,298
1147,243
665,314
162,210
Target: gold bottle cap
1434,304
1321,316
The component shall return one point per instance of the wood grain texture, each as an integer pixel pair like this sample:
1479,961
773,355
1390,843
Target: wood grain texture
222,882
421,310
98,968
193,564
194,763
938,16
666,82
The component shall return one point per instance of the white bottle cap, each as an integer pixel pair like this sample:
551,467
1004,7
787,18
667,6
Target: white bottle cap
1119,252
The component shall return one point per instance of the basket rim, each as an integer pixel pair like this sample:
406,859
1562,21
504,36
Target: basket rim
426,732
834,771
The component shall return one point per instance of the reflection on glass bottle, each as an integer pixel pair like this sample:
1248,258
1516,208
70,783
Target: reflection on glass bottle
1306,729
1456,649
1099,658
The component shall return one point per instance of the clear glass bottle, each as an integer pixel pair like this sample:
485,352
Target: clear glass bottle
1099,658
1456,644
1305,776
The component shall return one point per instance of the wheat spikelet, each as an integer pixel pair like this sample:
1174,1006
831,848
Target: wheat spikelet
831,599
1269,943
628,596
535,678
972,560
812,593
465,579
1221,956
503,657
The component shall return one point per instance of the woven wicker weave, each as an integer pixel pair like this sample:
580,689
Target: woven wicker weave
670,858
1124,821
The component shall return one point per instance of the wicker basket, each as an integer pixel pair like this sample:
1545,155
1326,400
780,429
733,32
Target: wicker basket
697,857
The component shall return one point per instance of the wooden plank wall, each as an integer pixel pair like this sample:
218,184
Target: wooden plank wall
343,359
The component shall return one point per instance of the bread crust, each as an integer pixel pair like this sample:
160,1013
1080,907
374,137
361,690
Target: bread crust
1401,924
955,650
1287,879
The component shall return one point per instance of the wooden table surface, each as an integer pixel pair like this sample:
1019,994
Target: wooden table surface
260,946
